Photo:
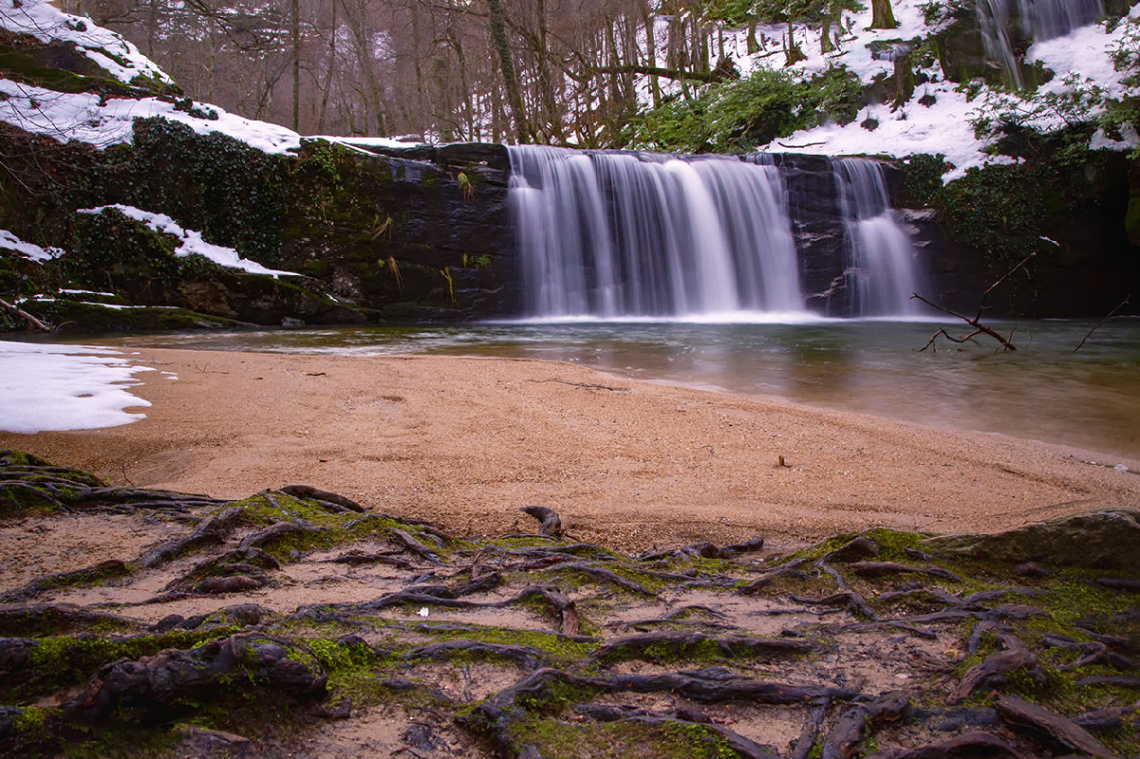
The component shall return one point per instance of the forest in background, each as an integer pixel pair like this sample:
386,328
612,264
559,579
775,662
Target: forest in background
546,71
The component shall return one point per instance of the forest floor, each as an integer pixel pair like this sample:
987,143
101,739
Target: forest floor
294,622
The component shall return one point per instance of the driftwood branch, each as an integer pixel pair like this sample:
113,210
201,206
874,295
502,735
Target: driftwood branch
22,314
976,321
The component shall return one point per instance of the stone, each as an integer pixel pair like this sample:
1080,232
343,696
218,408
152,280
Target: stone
1103,539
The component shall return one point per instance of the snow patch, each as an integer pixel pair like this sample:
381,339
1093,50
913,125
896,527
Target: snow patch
103,122
9,241
65,387
1081,59
192,242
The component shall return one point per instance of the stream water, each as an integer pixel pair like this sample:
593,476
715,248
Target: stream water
1045,391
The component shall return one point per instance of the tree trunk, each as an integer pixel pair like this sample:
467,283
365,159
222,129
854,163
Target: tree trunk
372,100
296,33
651,51
826,45
882,16
329,80
507,66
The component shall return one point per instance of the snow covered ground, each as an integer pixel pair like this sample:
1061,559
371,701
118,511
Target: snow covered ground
65,387
103,122
945,125
107,49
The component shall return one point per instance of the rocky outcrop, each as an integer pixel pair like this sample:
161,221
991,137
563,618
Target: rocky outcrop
373,237
1106,539
421,232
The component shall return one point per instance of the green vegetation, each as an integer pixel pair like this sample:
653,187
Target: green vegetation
736,116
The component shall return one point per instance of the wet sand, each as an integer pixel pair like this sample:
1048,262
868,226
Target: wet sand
466,442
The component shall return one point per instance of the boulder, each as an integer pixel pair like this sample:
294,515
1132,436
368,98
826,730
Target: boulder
1103,539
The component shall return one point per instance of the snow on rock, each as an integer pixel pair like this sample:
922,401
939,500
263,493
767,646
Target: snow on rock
106,48
192,242
375,142
9,241
103,122
65,387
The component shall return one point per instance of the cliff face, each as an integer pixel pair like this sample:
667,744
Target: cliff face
371,237
425,233
421,232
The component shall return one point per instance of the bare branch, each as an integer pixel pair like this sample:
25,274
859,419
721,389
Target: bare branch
1100,324
19,312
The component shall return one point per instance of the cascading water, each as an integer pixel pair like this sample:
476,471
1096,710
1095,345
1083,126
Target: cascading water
881,268
1046,19
1038,20
624,234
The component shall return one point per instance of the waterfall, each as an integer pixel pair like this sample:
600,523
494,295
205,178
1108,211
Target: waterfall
994,20
1038,20
1046,19
615,234
881,271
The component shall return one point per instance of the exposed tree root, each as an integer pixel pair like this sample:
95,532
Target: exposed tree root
451,621
1023,715
1015,657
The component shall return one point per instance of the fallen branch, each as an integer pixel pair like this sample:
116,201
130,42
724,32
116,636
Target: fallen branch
1101,323
22,314
975,322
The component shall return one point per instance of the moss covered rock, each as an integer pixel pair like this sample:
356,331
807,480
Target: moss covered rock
1105,539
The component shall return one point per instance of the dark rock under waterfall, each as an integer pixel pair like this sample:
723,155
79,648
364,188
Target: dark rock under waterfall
819,231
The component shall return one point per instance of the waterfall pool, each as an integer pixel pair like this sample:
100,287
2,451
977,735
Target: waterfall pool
1045,391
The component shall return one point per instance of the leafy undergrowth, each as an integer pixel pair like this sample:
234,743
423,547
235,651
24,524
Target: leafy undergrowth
295,622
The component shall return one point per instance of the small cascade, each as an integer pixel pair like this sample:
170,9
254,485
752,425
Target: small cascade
1036,20
881,268
994,20
1047,19
613,235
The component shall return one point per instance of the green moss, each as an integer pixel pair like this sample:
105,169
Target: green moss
336,657
617,740
31,721
62,661
34,65
563,651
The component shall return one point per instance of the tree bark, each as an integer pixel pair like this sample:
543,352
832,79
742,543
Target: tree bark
507,66
882,16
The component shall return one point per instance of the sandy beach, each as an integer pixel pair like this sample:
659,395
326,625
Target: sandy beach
466,442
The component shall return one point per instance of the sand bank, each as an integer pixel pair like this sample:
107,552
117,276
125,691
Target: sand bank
466,442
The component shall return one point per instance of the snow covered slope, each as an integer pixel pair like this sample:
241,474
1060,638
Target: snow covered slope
940,117
103,120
